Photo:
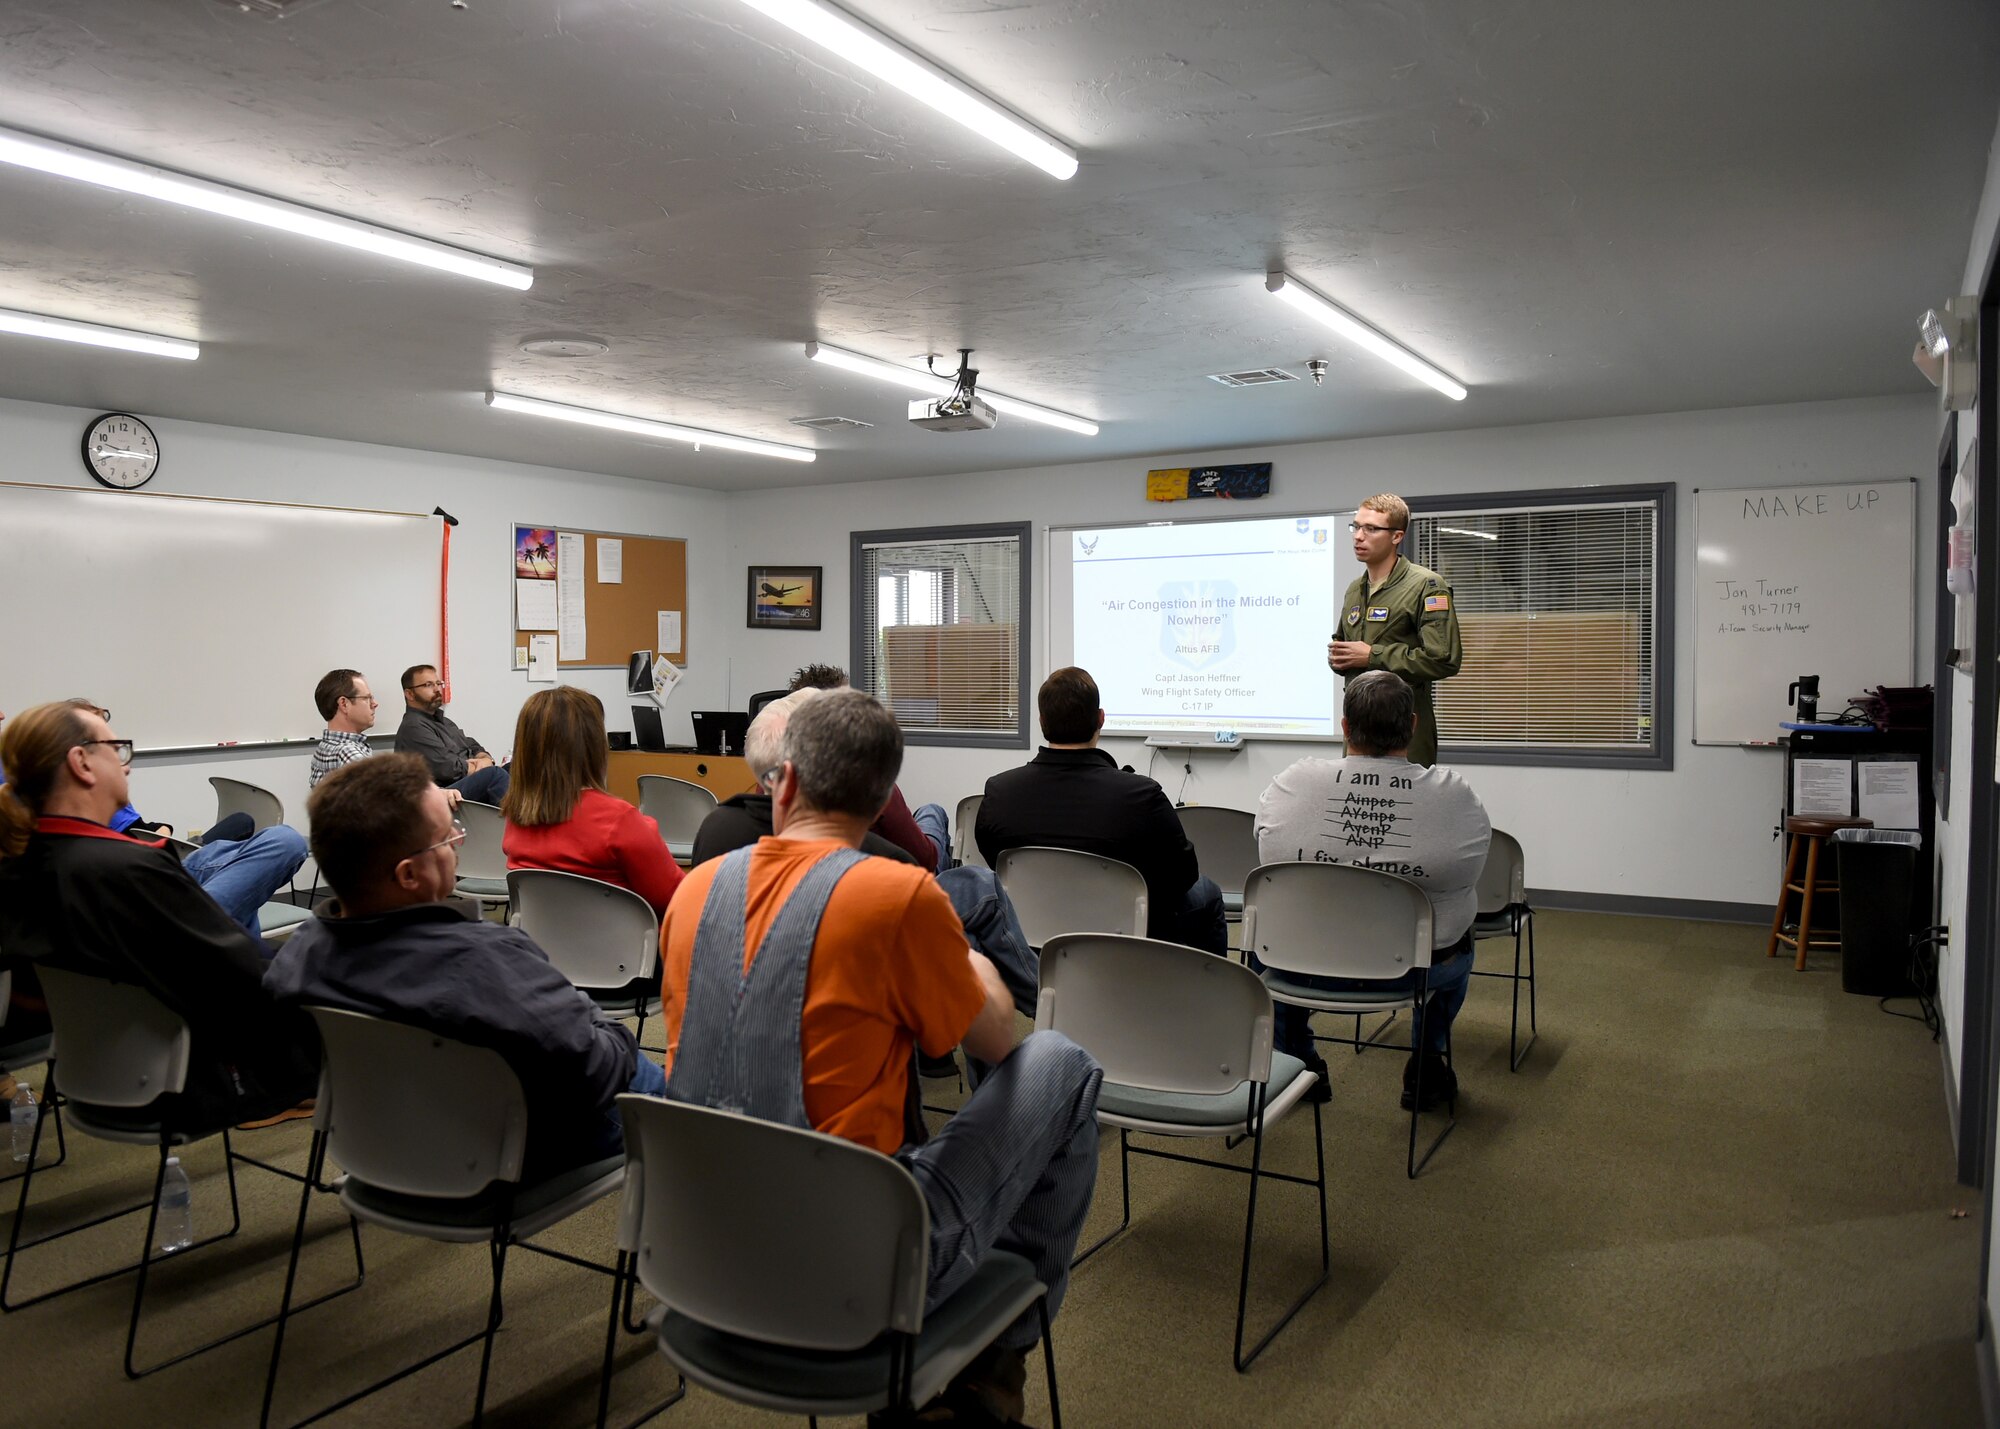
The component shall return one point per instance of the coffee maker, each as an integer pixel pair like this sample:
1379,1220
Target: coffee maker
1804,693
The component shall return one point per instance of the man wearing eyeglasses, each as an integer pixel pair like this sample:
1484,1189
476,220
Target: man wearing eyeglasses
391,946
456,760
76,894
1397,616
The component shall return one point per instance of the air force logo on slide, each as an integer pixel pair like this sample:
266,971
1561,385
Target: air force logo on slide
1319,535
1089,548
1197,622
1305,524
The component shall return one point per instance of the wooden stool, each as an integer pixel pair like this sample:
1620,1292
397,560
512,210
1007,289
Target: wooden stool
1808,831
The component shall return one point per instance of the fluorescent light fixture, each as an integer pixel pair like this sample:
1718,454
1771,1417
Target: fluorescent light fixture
644,427
933,385
107,170
882,57
34,325
1360,334
1461,531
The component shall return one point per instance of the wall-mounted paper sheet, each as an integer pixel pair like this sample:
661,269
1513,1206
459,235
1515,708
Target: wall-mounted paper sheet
1823,786
670,630
542,659
534,605
666,674
1888,792
610,561
569,596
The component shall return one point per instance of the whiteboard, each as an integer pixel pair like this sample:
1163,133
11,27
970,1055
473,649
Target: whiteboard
1799,580
199,621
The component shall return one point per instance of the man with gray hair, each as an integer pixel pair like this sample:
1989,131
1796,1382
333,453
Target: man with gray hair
746,818
1377,809
869,959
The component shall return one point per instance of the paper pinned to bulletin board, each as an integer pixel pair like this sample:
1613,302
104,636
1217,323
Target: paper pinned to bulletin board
600,594
534,578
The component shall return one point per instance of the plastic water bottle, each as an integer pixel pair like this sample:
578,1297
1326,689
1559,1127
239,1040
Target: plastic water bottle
21,1112
176,1224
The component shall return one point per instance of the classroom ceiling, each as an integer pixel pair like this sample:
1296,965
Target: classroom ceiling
1580,208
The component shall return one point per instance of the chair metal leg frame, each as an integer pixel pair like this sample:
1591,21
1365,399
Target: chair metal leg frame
1516,1052
623,1278
1256,1171
1417,1101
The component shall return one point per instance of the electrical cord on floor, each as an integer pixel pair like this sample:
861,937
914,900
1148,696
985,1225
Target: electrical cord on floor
1923,976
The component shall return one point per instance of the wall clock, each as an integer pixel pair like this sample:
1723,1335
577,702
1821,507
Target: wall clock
120,451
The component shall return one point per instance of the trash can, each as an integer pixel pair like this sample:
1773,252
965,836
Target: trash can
1878,875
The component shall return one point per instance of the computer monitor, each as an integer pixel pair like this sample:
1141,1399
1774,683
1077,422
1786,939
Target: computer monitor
639,673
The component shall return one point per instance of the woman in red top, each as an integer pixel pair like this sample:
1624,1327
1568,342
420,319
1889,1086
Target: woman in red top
558,813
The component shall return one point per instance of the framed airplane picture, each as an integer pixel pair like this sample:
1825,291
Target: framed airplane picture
784,597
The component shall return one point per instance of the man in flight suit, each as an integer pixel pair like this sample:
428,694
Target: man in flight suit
1397,617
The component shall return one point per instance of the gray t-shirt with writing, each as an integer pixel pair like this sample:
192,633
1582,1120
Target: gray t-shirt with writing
1425,824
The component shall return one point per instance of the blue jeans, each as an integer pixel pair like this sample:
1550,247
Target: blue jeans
242,875
1450,971
936,824
1014,1170
649,1078
484,786
1197,923
992,926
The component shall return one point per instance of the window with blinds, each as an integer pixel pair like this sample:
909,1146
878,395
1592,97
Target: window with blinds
1568,654
940,631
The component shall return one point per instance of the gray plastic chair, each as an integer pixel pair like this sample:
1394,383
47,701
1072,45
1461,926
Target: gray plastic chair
482,865
1341,920
791,1266
1184,1038
965,848
122,1050
431,1134
601,937
234,796
1058,890
678,806
1225,845
1503,913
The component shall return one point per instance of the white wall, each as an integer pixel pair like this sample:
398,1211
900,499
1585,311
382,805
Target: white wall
1701,831
1951,834
41,444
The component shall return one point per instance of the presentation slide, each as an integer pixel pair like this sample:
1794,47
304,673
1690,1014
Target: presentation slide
1207,627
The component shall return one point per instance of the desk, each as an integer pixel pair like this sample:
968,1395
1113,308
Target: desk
723,775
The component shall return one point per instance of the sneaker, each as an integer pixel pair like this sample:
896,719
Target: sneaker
1440,1083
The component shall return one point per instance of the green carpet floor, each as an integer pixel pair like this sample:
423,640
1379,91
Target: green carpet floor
1717,1193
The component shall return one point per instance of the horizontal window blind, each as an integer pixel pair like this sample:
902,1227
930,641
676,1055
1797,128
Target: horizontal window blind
1558,608
940,631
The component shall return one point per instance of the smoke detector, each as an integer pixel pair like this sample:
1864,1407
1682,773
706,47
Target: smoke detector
564,344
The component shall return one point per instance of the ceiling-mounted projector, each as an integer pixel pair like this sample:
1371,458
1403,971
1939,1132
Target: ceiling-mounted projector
960,410
952,414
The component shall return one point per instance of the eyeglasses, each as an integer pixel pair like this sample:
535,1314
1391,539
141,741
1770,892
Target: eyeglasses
456,838
1357,527
121,747
426,685
369,699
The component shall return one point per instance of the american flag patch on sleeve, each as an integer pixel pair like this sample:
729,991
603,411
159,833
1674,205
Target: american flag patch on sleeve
1436,602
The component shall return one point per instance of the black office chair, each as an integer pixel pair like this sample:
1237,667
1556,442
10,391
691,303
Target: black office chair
764,697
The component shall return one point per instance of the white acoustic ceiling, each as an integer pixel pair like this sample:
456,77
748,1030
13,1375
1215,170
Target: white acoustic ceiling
1579,208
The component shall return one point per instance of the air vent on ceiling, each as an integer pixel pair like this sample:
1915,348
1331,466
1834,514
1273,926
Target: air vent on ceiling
829,424
1256,377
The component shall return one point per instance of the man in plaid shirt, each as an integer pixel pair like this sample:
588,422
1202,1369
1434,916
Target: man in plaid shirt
349,711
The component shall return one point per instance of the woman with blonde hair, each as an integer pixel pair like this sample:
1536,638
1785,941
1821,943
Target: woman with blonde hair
559,815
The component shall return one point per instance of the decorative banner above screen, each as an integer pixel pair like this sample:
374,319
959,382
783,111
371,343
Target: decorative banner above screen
1191,483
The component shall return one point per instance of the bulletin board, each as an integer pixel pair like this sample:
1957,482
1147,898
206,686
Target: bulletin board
619,616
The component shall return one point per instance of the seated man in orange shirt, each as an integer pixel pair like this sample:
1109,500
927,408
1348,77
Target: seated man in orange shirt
798,974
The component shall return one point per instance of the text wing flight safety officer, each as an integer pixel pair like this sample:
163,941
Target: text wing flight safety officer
1397,617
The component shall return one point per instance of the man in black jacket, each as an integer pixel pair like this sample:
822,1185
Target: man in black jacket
385,841
1073,795
75,894
456,760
